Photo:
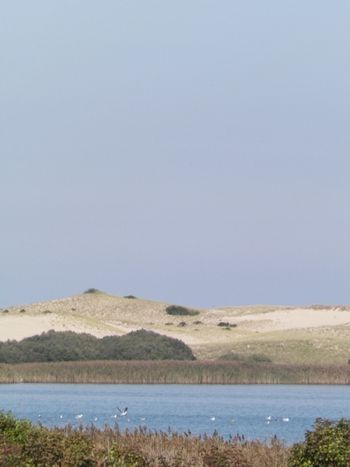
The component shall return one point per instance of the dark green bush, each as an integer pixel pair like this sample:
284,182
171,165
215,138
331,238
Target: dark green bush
327,445
54,346
226,324
176,310
132,297
92,290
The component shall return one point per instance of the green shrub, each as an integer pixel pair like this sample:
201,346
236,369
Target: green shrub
55,346
132,297
92,290
176,310
182,324
226,324
327,445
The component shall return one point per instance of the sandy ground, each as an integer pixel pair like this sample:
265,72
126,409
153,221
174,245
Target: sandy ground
18,327
298,318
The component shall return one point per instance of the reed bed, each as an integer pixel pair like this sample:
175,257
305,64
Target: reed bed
173,372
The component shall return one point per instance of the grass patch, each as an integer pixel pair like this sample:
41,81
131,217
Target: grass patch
253,358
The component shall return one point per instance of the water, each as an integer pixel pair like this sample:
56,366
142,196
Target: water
230,410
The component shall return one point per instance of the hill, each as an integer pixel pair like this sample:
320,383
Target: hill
304,334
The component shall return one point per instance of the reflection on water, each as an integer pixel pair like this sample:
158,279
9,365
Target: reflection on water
256,411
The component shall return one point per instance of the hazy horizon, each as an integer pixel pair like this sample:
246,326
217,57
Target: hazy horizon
193,153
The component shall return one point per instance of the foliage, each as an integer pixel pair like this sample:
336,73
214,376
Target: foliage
182,324
132,297
144,345
25,444
176,310
226,324
70,346
327,445
92,290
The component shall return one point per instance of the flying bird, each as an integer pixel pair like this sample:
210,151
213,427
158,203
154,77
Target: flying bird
123,412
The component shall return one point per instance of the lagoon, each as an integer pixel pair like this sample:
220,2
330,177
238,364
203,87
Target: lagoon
255,411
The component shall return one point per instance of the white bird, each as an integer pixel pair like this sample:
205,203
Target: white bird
123,412
285,419
268,418
212,419
80,415
143,418
114,416
95,419
61,416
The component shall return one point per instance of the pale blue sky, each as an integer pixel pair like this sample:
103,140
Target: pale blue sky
195,152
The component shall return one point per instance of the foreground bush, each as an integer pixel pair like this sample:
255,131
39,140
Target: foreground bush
327,445
25,444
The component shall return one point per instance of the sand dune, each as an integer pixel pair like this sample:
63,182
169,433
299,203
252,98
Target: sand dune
101,314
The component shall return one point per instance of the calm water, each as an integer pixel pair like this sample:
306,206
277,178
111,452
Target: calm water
236,409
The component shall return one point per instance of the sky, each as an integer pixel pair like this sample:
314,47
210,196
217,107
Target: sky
193,152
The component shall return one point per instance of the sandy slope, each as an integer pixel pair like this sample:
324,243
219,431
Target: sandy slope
259,328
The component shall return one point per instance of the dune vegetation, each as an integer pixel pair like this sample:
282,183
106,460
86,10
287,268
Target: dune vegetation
70,346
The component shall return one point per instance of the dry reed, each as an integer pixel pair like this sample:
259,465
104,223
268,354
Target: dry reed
173,372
